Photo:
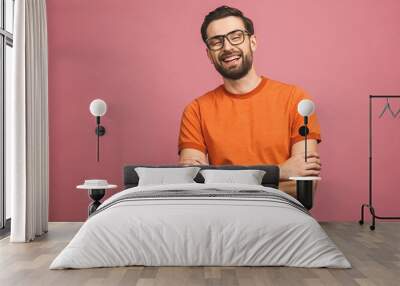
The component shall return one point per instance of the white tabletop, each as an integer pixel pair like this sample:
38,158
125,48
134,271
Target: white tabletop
86,187
310,178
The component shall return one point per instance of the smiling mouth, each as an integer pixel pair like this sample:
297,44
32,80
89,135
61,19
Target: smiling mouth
231,60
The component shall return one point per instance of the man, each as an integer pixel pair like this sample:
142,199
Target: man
250,119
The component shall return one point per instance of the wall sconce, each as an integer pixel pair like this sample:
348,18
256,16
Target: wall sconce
304,185
305,108
98,108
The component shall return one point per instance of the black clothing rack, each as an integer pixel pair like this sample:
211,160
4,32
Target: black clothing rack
370,203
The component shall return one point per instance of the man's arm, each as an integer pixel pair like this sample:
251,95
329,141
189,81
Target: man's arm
296,166
191,143
190,156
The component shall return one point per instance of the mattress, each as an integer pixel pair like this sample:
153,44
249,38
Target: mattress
201,225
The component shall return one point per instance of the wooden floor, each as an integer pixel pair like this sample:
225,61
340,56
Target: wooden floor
375,257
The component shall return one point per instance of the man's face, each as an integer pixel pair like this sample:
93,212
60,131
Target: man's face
232,61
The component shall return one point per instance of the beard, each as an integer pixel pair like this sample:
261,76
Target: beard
238,71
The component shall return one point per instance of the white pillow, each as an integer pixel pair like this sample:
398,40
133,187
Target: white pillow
161,176
249,176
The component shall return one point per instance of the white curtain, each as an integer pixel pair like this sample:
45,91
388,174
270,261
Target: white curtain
27,123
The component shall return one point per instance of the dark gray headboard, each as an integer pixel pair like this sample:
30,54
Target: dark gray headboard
270,179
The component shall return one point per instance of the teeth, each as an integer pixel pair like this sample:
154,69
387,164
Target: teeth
231,58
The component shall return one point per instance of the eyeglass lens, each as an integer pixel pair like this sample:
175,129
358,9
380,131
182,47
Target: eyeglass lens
234,38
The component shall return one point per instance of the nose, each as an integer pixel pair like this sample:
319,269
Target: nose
227,44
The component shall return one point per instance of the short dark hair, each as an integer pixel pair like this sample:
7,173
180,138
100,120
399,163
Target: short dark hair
222,12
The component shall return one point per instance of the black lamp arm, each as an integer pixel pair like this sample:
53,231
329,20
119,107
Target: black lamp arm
304,188
100,131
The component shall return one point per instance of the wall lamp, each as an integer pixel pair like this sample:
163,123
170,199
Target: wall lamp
98,108
304,185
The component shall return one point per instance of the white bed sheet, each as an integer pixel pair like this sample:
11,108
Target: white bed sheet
199,232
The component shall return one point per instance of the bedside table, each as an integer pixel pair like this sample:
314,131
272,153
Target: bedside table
96,190
304,190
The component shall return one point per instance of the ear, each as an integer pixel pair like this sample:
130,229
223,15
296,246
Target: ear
209,56
253,43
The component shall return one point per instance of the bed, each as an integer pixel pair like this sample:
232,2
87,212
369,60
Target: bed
201,224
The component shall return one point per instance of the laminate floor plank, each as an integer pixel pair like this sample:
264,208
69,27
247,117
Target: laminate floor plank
374,255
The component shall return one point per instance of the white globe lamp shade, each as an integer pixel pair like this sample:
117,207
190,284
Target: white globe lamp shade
305,107
98,107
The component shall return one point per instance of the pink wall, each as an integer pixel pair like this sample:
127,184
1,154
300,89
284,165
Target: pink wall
147,61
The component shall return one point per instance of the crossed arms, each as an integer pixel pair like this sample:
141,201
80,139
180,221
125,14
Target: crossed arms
292,167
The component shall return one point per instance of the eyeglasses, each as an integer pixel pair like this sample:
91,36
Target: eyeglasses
235,38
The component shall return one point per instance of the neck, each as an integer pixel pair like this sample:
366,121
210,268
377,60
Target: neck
244,84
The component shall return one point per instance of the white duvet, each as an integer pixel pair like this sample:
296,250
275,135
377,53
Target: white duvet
192,231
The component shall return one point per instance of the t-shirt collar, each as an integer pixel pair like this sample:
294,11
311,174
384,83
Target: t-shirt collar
247,94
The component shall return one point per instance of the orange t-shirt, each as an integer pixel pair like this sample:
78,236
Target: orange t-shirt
258,127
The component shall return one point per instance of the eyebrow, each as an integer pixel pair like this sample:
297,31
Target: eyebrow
226,33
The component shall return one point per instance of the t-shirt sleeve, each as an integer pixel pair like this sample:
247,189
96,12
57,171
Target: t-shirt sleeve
297,120
190,134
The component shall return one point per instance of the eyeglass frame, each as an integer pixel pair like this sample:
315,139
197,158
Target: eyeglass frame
245,32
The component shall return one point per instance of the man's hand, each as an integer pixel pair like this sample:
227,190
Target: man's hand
189,156
296,166
189,161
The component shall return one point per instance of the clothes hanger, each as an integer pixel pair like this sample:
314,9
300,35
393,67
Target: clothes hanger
388,107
